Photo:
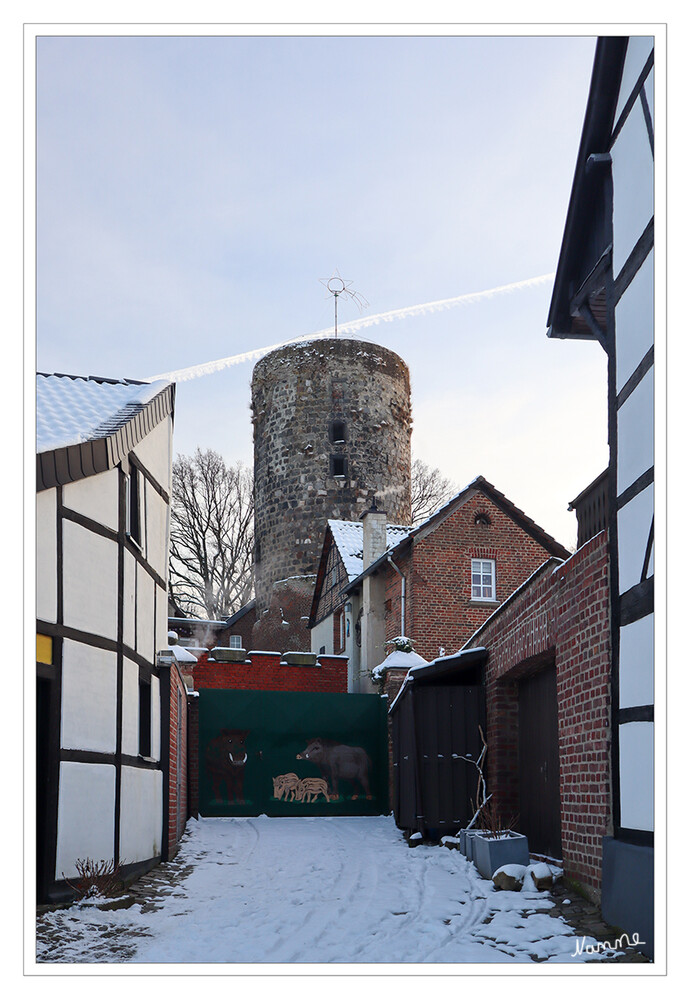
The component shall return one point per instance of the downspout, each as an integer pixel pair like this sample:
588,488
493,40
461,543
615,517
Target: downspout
402,596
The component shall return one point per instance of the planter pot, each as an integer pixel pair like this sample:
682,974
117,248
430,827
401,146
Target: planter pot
229,655
489,854
466,841
299,659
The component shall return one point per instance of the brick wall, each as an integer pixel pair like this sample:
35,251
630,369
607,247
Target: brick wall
440,612
178,732
264,671
561,617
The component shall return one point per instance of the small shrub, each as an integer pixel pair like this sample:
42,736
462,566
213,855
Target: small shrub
96,877
492,822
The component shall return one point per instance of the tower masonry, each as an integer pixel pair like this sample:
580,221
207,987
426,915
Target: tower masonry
332,425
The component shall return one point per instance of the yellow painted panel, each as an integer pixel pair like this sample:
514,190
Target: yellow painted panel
44,649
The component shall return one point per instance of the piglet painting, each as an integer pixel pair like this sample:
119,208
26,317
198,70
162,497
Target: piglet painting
337,762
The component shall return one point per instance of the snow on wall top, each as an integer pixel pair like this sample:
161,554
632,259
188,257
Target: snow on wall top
349,539
73,409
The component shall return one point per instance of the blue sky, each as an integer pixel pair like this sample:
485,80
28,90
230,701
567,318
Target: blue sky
192,191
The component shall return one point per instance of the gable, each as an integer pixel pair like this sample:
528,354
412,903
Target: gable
470,502
331,578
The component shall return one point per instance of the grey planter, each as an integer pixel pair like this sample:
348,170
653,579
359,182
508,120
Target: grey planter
222,655
299,659
466,842
490,854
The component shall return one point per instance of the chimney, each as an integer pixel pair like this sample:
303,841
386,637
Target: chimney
374,530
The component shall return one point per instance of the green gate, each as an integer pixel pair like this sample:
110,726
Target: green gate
274,753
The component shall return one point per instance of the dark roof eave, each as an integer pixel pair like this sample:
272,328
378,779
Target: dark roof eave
601,102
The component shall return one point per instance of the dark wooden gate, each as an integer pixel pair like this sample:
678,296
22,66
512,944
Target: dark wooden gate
265,752
539,769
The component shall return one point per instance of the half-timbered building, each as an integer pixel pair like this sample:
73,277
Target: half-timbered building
604,291
104,452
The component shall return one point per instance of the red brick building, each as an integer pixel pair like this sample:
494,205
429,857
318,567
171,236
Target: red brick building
548,706
435,583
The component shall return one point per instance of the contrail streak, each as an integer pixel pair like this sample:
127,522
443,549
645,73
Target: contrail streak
211,367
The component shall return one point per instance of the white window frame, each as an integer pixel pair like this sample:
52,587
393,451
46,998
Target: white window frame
485,568
235,642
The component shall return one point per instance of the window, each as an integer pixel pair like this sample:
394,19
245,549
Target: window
144,718
483,579
338,466
133,525
235,641
337,432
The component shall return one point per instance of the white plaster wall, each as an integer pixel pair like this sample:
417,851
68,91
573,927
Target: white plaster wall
633,185
46,555
636,740
156,531
86,815
129,595
141,814
636,56
96,497
130,708
322,634
161,640
155,453
89,698
634,522
636,669
635,322
89,581
352,650
145,615
155,718
636,433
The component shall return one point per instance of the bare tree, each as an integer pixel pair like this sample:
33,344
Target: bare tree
211,535
430,490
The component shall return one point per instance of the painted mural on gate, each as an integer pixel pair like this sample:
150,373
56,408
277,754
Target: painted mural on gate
258,754
226,759
337,763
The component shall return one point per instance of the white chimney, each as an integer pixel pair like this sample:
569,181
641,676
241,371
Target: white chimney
374,529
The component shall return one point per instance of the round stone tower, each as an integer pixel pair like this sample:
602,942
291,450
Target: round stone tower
332,425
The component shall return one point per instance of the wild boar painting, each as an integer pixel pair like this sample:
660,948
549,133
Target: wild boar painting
337,762
226,759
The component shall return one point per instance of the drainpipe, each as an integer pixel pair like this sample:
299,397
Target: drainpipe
402,595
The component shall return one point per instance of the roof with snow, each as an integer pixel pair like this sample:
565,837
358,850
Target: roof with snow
86,425
480,484
348,536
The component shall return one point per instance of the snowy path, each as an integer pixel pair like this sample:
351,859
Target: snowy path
321,890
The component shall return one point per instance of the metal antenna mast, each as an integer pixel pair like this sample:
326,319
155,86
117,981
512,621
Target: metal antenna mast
336,286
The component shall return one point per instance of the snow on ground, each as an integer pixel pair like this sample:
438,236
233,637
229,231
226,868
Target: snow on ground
315,890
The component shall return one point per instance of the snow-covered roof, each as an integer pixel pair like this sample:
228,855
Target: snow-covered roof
74,409
398,660
349,539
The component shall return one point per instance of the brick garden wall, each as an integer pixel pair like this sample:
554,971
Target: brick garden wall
562,616
177,809
263,671
440,612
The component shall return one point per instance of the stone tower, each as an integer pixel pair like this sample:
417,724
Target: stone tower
332,425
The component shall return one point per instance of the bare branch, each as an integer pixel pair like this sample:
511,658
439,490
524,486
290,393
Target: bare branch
211,534
430,490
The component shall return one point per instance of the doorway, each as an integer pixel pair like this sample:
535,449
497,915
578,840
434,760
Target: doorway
539,763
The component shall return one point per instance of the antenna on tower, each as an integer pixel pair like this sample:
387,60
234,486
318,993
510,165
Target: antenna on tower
336,286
